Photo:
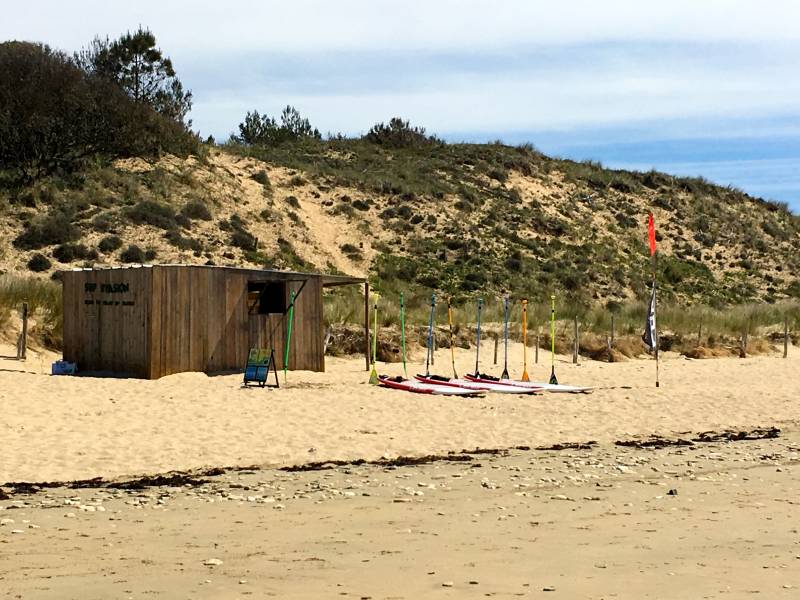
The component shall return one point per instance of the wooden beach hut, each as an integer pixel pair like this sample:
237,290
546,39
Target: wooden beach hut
152,321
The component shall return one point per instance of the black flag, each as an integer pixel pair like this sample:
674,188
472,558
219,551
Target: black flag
650,335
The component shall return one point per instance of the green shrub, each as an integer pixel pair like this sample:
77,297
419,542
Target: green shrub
295,218
352,252
262,178
55,227
102,223
110,243
240,236
39,263
293,201
399,134
344,209
67,253
132,254
183,221
149,212
269,215
263,130
174,237
498,175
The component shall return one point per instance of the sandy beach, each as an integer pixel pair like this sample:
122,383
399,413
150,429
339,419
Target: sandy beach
709,520
490,510
69,428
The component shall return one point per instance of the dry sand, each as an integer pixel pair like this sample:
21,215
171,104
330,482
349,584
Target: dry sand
68,428
598,522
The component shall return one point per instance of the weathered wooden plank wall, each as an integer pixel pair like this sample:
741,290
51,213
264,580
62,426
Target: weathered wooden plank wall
201,317
171,319
105,320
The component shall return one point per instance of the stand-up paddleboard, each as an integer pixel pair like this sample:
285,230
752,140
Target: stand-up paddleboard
538,386
412,385
469,384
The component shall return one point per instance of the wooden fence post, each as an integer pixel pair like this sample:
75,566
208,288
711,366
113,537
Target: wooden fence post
785,336
496,342
577,343
327,341
613,332
538,335
22,345
367,335
743,353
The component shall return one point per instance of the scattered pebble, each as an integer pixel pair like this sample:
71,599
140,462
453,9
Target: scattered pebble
212,562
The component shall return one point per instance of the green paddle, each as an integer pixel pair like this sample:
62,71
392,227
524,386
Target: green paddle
403,332
288,337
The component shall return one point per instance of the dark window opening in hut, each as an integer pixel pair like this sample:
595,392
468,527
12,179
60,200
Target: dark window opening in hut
266,297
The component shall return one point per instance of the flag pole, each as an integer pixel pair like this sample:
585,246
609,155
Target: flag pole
553,379
651,235
655,304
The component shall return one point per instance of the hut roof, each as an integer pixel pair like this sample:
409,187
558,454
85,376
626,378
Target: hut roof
327,280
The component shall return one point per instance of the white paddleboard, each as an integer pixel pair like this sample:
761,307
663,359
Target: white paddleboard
486,386
545,387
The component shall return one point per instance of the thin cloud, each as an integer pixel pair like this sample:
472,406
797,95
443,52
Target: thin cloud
305,25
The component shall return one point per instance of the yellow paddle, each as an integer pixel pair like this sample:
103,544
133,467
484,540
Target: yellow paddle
525,376
373,376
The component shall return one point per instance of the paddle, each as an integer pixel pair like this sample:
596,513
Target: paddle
553,378
505,341
288,337
452,346
478,344
373,376
403,332
525,376
430,336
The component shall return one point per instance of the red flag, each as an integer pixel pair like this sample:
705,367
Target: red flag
651,233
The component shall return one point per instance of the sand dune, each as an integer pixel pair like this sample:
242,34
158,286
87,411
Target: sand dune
66,428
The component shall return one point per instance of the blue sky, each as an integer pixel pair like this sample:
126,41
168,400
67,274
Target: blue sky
707,87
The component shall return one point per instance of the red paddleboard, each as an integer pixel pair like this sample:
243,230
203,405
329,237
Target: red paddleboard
411,385
493,386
